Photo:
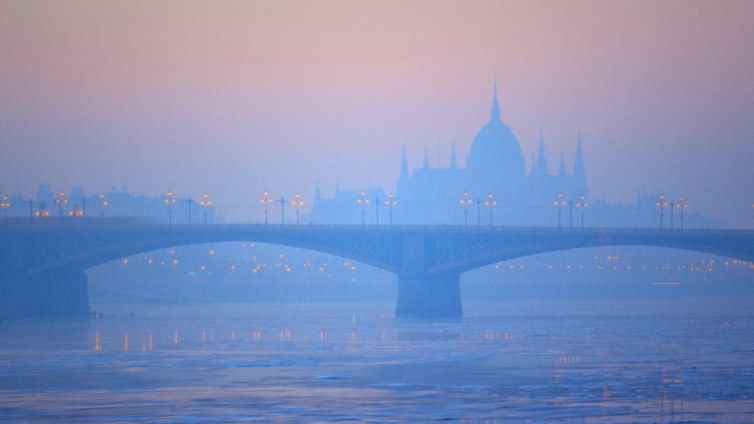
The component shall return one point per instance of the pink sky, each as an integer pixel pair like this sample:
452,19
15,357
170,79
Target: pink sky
233,98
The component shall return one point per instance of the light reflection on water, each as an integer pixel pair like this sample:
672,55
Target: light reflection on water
294,362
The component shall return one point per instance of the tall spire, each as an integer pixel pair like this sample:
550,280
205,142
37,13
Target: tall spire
578,167
426,161
453,163
562,167
317,195
542,158
495,112
337,186
403,179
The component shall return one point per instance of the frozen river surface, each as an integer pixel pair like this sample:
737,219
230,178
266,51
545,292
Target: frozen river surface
324,362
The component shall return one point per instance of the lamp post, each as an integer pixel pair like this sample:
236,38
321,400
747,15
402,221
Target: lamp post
169,200
83,204
662,204
570,213
297,202
682,205
363,200
377,210
42,212
465,201
391,202
75,212
102,203
206,202
60,200
478,212
266,199
31,209
560,203
490,203
282,209
5,205
582,204
672,205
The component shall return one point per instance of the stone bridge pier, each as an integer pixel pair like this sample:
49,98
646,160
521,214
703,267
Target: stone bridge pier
422,294
58,293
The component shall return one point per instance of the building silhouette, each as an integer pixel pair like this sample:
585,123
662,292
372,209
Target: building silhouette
494,166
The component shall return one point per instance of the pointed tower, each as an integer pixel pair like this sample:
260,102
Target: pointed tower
337,187
453,163
426,161
562,166
495,111
541,158
578,167
317,195
403,180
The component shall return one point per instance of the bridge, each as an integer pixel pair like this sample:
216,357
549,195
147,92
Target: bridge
43,261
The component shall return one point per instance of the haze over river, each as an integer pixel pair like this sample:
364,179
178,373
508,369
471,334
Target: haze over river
506,361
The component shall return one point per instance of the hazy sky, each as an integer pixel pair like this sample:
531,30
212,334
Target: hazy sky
233,98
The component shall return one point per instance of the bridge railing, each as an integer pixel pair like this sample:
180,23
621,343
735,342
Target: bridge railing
147,224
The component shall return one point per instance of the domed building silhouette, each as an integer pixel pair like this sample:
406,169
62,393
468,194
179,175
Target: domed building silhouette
494,167
495,153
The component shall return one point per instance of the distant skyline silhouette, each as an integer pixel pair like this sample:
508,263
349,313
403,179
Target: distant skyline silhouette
234,98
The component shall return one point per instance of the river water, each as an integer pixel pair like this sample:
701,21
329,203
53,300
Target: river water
534,361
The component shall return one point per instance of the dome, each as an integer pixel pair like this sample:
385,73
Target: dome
495,153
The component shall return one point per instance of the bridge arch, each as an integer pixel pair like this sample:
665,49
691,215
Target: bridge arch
358,247
491,251
43,262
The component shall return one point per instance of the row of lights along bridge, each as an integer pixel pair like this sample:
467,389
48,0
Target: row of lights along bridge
363,200
297,201
266,200
661,203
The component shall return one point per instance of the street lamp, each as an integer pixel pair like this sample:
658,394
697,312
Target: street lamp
490,203
266,199
60,200
682,205
560,203
377,209
75,212
672,205
582,204
169,200
102,203
42,212
297,202
363,200
465,202
662,205
478,212
391,202
282,208
5,205
206,202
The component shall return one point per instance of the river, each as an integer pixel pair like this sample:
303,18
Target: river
533,361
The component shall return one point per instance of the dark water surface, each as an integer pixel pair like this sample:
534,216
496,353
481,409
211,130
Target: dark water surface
593,361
